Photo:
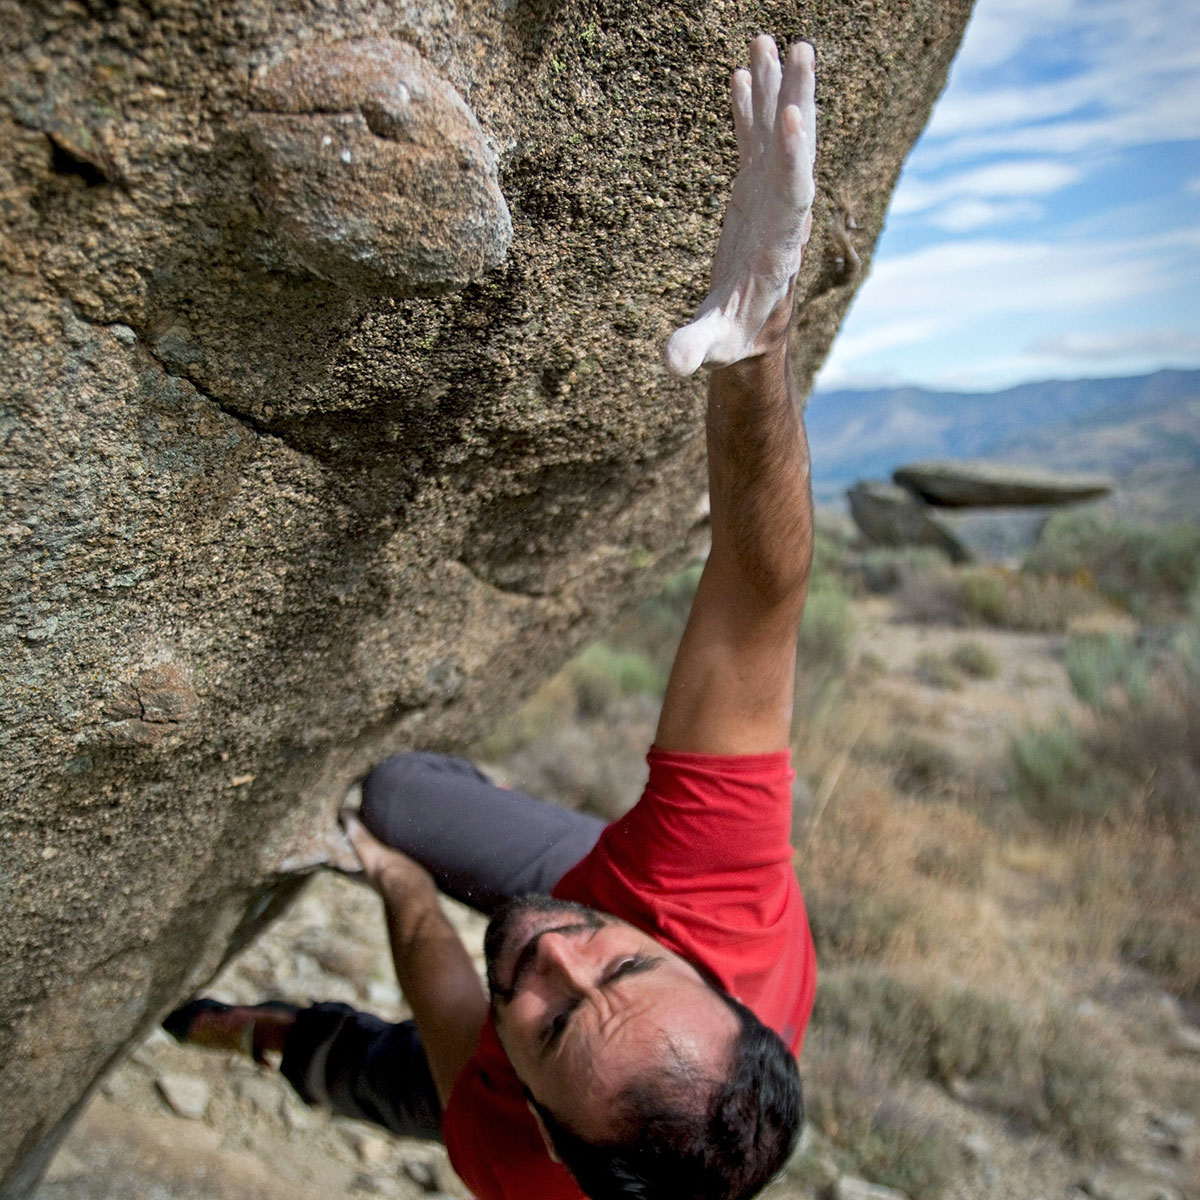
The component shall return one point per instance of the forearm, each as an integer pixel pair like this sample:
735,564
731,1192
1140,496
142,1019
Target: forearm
435,974
760,491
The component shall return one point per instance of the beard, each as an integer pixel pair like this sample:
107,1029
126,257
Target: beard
510,943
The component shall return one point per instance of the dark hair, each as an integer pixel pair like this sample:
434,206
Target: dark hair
670,1143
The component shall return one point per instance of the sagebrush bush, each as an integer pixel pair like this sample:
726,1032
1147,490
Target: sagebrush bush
994,596
1144,567
1108,670
827,628
602,675
921,767
1056,777
1042,1066
938,671
975,660
852,1095
849,925
1167,946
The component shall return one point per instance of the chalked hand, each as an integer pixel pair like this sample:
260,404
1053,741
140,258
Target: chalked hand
769,216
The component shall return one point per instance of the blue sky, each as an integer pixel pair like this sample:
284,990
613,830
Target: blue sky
1047,224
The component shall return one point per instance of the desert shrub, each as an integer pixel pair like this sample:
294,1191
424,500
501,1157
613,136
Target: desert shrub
1167,946
1080,1101
959,864
602,675
830,554
850,924
993,596
921,767
828,626
1057,779
938,671
1040,1066
853,1097
1152,743
985,597
1143,567
930,594
881,570
975,660
665,614
931,1031
870,664
1108,670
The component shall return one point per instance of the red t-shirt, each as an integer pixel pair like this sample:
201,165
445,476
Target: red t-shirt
703,863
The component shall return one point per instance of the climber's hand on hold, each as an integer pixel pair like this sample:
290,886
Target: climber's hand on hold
769,216
389,871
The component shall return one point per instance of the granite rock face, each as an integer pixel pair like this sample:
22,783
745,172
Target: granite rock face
982,484
305,461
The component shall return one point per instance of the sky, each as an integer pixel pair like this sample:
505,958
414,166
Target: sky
1047,223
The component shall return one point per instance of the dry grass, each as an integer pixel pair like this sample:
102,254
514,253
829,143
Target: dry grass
1041,1065
855,1096
996,597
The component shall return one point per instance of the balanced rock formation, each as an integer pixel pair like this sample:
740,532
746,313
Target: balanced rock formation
889,515
982,484
333,419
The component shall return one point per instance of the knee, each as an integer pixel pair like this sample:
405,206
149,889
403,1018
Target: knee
384,784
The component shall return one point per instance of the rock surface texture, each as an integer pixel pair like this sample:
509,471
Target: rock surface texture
981,484
332,418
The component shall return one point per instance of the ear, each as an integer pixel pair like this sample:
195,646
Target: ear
537,1116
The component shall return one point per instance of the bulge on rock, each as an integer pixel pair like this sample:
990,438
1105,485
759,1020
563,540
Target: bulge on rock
372,172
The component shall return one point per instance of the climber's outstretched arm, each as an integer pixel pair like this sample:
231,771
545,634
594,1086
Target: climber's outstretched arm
731,688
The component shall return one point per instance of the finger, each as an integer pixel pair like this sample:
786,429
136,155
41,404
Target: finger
796,160
364,843
798,88
743,113
765,72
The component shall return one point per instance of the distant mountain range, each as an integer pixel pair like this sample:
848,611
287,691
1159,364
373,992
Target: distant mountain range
1143,431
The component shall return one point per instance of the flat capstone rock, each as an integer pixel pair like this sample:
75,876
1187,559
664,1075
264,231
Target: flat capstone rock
981,484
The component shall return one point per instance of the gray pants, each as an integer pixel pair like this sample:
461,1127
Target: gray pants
483,845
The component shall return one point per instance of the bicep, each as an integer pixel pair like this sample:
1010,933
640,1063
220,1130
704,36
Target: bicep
732,684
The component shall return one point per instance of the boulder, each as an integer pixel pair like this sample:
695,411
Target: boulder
888,515
315,450
982,484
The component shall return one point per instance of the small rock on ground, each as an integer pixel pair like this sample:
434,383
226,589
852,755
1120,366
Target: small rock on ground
851,1188
186,1095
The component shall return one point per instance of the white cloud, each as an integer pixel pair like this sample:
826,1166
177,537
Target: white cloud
1136,80
966,216
1123,343
1034,177
1192,187
934,305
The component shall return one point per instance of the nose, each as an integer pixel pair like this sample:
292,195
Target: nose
562,957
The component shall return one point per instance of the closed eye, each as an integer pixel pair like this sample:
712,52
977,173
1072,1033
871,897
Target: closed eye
620,968
630,964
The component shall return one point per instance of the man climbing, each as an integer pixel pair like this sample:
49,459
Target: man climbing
649,981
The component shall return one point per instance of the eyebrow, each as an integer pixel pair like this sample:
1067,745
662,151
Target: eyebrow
639,964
